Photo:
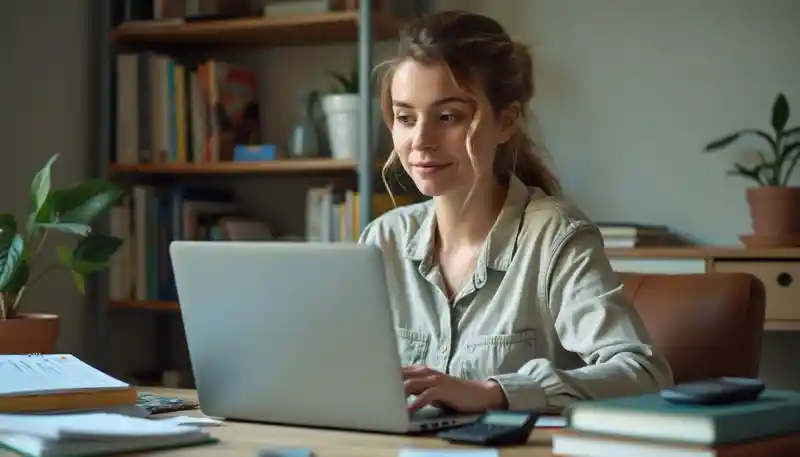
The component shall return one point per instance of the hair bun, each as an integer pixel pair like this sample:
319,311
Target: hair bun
524,60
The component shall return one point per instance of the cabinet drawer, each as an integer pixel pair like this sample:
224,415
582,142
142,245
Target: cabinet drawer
781,280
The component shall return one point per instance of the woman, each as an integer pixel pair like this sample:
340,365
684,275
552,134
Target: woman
501,292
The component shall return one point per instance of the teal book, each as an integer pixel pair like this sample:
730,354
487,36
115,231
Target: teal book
775,412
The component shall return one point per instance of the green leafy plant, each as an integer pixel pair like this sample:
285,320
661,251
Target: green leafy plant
776,165
70,211
347,83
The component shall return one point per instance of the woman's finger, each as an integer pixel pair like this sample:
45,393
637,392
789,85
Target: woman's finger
416,386
416,371
428,397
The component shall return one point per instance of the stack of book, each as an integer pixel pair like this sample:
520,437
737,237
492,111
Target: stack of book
629,235
58,383
648,425
86,434
58,405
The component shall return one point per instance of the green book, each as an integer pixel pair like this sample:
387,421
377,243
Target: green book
775,412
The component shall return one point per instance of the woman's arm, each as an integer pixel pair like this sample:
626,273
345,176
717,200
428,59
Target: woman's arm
594,319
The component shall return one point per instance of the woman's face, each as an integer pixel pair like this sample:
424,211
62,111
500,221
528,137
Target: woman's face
430,130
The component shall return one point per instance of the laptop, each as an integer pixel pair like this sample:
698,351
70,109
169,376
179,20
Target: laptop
295,333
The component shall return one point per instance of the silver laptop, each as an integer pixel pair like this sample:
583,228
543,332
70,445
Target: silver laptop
295,333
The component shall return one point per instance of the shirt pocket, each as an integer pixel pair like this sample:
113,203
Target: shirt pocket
488,355
412,345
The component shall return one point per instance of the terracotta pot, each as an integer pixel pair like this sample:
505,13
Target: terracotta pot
29,333
775,211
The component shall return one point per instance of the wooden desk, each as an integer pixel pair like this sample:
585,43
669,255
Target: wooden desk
245,439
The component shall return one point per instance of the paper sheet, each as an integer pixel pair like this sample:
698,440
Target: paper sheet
50,373
98,425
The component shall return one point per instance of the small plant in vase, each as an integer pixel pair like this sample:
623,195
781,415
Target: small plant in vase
68,211
341,106
774,204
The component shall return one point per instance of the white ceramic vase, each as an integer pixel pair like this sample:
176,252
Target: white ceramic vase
342,121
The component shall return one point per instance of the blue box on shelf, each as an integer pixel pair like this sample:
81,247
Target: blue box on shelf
254,152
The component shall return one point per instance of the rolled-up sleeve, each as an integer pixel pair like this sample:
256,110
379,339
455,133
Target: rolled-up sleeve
593,318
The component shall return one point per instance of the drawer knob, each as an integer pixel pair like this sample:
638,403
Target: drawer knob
784,279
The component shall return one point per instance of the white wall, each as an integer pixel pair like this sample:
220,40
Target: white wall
629,92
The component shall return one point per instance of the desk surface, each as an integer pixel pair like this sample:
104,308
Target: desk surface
245,439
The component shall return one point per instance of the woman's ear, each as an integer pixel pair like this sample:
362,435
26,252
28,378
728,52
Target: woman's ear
510,118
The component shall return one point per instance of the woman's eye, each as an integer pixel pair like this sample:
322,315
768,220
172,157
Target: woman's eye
404,119
450,118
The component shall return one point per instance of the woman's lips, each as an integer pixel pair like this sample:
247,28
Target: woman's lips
429,168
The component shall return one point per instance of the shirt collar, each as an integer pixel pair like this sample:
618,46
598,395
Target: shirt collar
500,245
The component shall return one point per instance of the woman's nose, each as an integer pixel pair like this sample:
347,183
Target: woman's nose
424,136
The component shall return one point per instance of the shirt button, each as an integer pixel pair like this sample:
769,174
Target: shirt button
443,349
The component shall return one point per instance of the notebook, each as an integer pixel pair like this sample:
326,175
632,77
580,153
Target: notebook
774,413
91,434
58,382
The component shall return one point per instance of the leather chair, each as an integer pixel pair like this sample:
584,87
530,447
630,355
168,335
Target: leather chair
708,325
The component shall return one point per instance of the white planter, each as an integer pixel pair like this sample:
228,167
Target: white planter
342,121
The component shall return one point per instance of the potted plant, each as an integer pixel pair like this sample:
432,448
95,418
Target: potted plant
68,211
774,204
341,107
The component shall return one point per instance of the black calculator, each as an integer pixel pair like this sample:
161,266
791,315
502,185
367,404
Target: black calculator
494,428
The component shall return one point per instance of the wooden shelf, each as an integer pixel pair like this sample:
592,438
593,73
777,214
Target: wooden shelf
306,29
308,166
151,305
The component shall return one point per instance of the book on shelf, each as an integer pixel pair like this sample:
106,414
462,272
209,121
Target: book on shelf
149,218
630,235
180,111
334,215
98,433
58,382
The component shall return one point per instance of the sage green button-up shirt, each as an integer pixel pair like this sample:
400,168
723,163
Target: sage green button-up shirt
544,315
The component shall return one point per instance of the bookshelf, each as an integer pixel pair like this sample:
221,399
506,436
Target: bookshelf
280,166
175,37
305,30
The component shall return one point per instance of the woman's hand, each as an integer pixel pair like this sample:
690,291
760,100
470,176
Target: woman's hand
438,389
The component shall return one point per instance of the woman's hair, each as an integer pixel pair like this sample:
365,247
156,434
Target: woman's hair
479,54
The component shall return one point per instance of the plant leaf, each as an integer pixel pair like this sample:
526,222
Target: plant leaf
780,113
11,248
40,187
750,173
64,254
87,200
80,203
67,227
67,258
722,142
792,160
80,282
30,225
95,251
11,257
727,140
19,279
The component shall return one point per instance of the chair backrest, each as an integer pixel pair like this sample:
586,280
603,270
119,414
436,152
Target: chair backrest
708,325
